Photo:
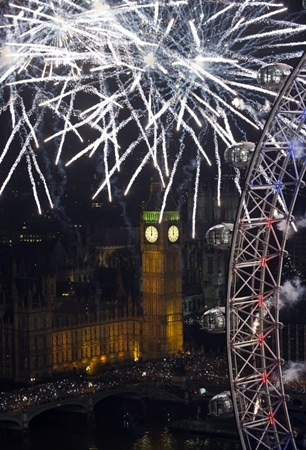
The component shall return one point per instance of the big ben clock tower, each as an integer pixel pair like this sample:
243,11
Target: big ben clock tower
161,277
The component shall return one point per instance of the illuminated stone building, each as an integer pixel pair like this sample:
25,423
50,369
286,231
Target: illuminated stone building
51,325
119,299
122,296
161,240
87,335
62,315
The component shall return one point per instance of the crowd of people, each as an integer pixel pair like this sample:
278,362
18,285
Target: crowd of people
190,369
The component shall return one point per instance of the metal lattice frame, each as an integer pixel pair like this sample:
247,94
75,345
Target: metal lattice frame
264,219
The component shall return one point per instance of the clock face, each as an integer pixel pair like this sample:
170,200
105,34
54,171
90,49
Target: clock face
151,233
173,233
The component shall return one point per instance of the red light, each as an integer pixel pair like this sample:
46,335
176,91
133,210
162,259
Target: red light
264,377
263,262
271,418
260,338
260,300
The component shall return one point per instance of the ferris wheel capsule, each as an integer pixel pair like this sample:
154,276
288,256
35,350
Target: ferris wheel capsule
220,236
221,405
213,320
272,76
239,155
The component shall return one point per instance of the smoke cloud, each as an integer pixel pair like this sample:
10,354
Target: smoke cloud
292,292
294,372
299,223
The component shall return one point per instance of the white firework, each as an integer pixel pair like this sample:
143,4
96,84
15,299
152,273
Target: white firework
175,70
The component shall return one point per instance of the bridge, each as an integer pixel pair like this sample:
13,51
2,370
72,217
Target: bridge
19,419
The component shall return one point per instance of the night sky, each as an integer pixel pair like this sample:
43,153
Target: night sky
72,187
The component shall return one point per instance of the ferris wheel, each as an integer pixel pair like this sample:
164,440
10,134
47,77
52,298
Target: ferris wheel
265,220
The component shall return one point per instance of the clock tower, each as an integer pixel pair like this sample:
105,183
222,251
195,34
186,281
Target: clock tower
161,277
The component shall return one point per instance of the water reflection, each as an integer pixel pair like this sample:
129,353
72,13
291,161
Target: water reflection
151,441
165,440
59,430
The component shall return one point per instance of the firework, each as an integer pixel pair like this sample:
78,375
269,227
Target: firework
173,71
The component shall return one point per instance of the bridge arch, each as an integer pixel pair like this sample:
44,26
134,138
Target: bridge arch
84,403
12,423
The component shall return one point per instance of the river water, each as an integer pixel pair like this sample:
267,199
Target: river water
122,424
145,429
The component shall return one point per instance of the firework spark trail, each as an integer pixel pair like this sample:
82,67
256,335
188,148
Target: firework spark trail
169,185
218,168
137,172
31,160
196,190
53,35
175,69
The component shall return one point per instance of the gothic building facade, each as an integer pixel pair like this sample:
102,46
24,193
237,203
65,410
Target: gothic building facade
117,300
123,294
50,325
